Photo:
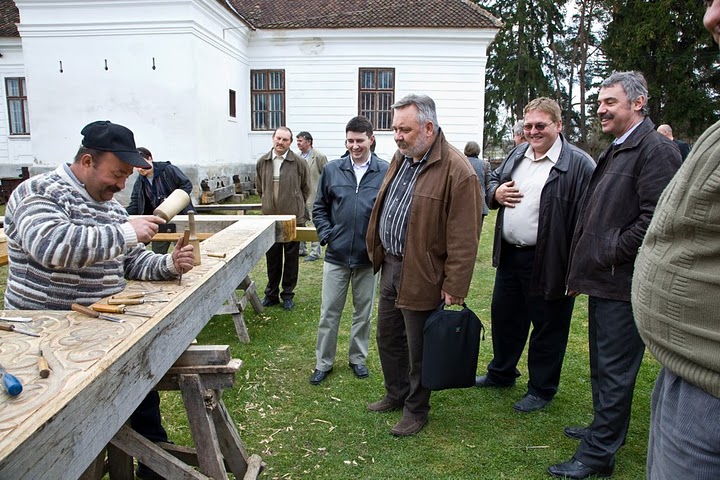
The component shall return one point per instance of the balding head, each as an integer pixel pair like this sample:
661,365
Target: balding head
665,130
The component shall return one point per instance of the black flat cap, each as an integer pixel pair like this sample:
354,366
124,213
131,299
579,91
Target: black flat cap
106,136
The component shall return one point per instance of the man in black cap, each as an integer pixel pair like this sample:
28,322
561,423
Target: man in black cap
69,241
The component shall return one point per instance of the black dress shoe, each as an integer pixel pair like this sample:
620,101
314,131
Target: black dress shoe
576,433
484,381
360,371
288,304
318,376
269,302
575,469
530,403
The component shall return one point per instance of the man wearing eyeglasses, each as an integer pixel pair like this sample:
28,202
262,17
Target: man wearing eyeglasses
614,216
537,190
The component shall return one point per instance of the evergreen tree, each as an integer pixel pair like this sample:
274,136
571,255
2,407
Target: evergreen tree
518,61
666,40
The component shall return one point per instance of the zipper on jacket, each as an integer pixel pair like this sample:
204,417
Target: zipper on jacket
612,271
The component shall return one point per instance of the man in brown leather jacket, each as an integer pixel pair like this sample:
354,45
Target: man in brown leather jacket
423,232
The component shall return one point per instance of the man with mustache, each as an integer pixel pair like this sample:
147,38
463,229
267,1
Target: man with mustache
531,252
676,289
70,241
423,232
615,213
283,182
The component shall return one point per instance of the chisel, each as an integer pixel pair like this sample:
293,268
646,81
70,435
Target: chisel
11,383
138,294
102,308
133,301
186,241
92,313
14,328
43,366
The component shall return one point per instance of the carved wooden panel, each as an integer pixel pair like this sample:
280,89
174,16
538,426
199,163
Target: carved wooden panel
102,370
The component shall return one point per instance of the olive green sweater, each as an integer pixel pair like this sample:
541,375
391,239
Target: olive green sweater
676,286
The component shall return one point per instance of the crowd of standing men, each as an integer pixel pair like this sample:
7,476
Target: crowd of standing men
566,225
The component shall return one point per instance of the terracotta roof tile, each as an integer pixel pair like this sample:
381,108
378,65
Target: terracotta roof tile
9,16
273,14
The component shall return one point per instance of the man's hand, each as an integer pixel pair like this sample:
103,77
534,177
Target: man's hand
183,256
507,195
449,299
146,227
572,293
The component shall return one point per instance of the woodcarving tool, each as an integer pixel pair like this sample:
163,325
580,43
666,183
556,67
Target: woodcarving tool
193,239
185,240
172,205
14,328
11,383
92,313
137,294
16,319
133,301
43,366
117,308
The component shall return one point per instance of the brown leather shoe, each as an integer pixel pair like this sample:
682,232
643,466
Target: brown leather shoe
408,426
384,405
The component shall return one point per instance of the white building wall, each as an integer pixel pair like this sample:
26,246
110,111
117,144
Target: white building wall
15,150
179,110
321,74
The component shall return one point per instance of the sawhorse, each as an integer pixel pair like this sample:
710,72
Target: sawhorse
201,373
235,306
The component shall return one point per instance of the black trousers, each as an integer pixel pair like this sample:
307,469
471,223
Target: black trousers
616,351
513,310
288,271
146,419
400,345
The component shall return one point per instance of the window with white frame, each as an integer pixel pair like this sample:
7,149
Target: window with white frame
376,94
267,99
16,94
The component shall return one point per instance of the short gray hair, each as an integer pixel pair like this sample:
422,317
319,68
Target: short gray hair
634,85
425,106
517,129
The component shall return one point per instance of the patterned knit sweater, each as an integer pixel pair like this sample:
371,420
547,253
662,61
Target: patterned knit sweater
64,247
676,287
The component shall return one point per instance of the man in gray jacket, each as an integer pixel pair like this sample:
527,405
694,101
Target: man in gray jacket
346,194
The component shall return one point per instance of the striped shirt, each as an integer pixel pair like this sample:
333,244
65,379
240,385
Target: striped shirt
65,247
396,208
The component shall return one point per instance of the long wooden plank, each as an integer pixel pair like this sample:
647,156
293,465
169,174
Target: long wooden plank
102,370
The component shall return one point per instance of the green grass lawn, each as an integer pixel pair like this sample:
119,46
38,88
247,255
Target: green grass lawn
313,432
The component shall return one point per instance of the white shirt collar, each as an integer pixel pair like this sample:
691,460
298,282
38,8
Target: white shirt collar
553,154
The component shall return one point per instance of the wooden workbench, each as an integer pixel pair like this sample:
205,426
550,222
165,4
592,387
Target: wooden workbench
102,370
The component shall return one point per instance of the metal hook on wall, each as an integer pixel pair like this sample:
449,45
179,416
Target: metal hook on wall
106,67
61,69
153,67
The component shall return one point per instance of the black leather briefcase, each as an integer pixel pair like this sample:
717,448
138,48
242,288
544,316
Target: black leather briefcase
450,348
